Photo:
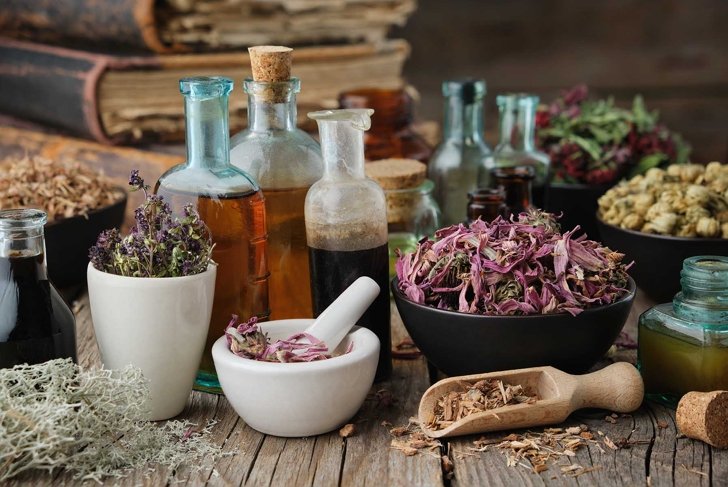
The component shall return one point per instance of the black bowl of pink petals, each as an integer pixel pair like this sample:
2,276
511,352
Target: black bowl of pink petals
512,294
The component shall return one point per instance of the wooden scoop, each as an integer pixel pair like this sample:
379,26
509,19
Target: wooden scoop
617,387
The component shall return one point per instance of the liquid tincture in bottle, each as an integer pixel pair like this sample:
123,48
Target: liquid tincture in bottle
461,162
392,135
230,203
36,325
517,143
683,345
285,161
346,224
515,182
487,204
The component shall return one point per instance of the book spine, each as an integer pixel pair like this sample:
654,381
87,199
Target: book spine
129,24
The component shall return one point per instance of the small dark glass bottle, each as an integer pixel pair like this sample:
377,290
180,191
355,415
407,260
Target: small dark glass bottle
36,325
392,134
486,204
516,181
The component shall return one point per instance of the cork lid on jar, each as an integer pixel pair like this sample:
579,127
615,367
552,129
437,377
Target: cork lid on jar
396,173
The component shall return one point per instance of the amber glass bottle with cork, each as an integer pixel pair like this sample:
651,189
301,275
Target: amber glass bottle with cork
285,161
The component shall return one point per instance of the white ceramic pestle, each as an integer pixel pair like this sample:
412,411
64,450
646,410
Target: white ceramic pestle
334,322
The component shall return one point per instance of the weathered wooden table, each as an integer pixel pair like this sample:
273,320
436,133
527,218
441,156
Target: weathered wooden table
650,453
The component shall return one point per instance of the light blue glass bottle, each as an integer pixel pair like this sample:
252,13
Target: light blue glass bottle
285,161
230,202
517,142
462,161
683,345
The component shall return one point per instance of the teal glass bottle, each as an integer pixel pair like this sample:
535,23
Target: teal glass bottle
285,161
230,202
683,345
517,140
462,161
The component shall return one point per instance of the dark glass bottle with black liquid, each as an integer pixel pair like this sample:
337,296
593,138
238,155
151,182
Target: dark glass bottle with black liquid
486,204
516,181
346,225
36,325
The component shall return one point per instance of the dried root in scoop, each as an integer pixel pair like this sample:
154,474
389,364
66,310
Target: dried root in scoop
61,189
481,396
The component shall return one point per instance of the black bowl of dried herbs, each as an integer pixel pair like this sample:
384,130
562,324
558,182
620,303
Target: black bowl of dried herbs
512,294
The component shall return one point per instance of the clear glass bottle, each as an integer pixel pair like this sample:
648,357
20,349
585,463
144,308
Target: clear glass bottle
346,224
392,134
285,161
36,325
516,182
230,203
412,213
487,204
517,143
461,162
683,345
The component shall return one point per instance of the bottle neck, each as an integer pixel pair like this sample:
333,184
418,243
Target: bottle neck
486,204
342,148
463,120
265,115
517,122
704,294
517,182
208,136
21,235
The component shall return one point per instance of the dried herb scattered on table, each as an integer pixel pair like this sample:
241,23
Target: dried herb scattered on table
474,398
512,268
249,341
55,415
61,189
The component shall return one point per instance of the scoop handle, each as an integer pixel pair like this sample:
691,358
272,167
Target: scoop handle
334,322
618,387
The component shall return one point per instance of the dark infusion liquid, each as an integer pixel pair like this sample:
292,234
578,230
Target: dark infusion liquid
35,323
332,271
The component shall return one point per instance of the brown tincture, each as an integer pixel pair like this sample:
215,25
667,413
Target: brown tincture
36,325
516,182
391,134
704,416
487,204
237,225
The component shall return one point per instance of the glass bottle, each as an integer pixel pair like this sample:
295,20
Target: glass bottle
517,144
285,161
36,325
346,224
516,182
487,204
230,203
461,162
683,345
391,134
412,213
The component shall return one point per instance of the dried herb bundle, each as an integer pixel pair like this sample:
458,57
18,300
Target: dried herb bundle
61,189
512,268
248,340
56,415
482,396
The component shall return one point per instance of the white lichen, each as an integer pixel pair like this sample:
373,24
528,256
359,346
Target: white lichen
55,415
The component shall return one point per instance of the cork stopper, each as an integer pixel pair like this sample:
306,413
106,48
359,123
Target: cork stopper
704,416
271,64
396,173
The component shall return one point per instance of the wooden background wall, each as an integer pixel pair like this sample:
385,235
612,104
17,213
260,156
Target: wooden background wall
674,52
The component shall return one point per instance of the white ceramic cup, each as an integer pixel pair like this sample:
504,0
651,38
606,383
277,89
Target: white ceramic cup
157,324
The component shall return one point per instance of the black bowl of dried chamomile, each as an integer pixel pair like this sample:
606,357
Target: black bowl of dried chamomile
506,295
660,219
80,203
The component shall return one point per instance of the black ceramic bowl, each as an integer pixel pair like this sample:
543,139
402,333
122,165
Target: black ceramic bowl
462,343
69,239
658,258
578,203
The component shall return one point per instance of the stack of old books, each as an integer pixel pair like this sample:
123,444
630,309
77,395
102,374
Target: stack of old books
108,69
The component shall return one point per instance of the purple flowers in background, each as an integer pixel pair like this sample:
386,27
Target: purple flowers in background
512,268
159,244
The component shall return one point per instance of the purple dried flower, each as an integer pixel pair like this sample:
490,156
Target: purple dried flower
512,268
